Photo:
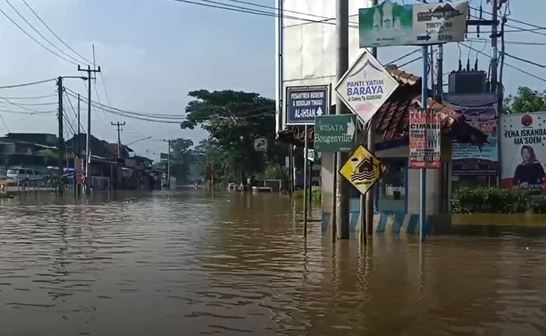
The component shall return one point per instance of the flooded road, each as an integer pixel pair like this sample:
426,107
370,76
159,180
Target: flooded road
183,264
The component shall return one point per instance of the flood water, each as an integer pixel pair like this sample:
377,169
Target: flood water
186,264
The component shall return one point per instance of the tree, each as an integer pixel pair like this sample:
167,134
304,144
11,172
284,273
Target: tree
526,100
234,119
182,157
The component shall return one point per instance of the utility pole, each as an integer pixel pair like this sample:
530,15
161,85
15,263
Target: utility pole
118,125
495,58
88,137
78,144
368,199
168,141
60,140
342,41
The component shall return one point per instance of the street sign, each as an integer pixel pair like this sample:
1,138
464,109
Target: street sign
335,133
366,86
362,169
304,103
163,156
310,155
392,24
260,145
424,139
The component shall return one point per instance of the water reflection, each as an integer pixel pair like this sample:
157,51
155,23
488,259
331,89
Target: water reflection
171,264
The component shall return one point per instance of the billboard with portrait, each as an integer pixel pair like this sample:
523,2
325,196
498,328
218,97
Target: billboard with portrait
523,145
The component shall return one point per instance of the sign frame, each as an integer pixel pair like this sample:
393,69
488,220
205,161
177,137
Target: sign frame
288,121
382,168
424,161
387,91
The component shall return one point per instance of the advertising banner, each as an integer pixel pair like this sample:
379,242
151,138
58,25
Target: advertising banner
480,111
424,139
523,146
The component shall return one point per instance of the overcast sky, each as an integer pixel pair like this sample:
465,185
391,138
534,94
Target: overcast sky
152,52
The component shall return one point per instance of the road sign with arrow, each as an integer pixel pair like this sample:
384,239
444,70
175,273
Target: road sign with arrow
304,103
335,133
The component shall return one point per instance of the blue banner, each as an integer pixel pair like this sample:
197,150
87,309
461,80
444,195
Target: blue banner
304,103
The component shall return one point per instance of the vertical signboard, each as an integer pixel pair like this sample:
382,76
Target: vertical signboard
304,103
523,145
480,111
392,24
424,139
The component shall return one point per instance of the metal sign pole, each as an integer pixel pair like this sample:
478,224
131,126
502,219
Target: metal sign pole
306,141
423,172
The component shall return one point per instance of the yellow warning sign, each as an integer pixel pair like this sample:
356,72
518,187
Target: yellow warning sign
362,169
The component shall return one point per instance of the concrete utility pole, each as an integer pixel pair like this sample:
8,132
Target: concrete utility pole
168,141
78,144
118,125
88,138
439,72
371,144
494,37
60,140
342,193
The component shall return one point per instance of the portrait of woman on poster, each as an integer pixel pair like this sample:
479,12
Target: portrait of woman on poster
529,173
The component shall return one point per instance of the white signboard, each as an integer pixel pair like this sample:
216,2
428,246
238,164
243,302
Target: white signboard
366,86
392,24
523,145
439,22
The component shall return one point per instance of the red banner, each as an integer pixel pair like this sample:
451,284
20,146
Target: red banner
424,139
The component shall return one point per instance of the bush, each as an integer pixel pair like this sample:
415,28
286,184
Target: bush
492,200
316,194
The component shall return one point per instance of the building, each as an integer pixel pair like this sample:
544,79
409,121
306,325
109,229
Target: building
306,56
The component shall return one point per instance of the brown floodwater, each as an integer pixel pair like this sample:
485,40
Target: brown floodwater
186,264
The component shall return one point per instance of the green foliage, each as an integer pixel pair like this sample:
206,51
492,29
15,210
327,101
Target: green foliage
526,100
492,200
234,119
51,157
182,157
316,195
273,172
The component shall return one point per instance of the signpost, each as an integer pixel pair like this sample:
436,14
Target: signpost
366,86
392,24
335,133
304,103
424,139
260,145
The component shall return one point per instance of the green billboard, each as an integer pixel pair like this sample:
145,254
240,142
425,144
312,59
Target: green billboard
335,133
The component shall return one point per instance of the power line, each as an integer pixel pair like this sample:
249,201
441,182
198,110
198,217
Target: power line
27,84
19,105
529,43
132,115
525,60
34,104
404,56
72,108
241,9
53,32
38,32
140,114
30,97
27,113
507,64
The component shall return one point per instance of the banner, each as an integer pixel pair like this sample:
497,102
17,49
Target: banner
523,145
424,139
79,171
480,111
393,24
